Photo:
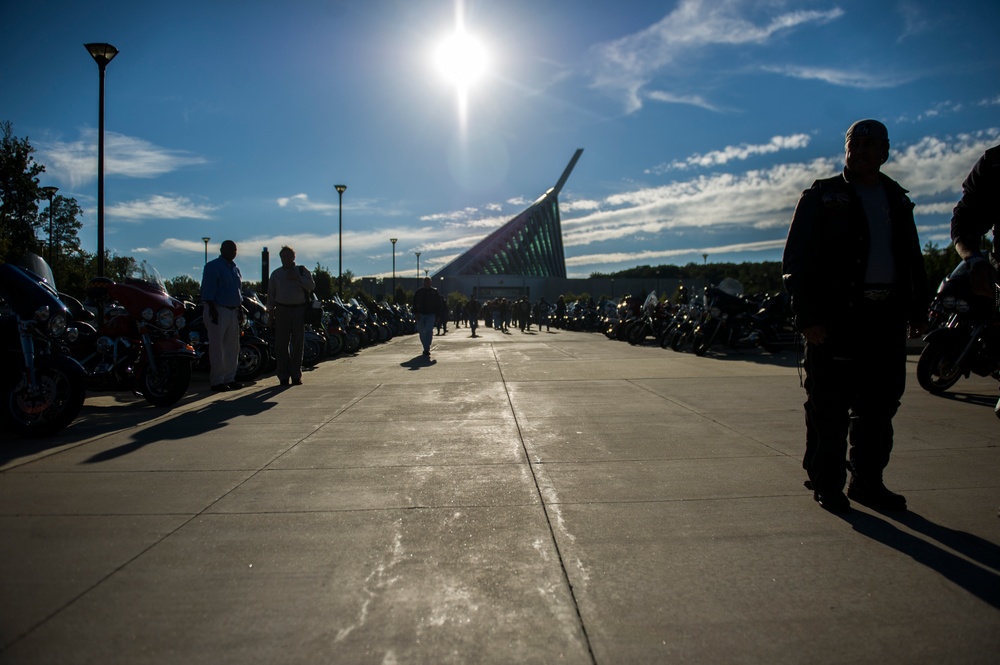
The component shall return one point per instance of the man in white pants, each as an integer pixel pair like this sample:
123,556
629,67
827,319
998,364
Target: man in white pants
222,296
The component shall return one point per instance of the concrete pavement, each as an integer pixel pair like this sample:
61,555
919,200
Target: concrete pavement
523,498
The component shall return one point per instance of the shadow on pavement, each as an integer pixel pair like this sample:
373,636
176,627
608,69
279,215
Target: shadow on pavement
211,416
418,362
980,576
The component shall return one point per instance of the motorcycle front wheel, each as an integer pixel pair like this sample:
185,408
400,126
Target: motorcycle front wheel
312,352
251,363
168,384
936,368
53,406
335,345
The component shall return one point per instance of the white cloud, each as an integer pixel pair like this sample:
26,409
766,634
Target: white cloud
75,162
628,65
301,203
161,207
613,258
863,80
740,152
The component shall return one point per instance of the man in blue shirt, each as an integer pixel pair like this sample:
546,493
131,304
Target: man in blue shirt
222,296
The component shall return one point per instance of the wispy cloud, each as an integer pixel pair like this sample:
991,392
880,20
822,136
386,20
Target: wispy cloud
75,162
741,152
626,66
859,79
161,207
660,255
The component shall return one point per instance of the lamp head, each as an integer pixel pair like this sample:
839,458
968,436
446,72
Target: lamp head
49,192
101,53
340,188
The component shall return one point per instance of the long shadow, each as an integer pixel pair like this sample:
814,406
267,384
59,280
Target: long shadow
982,582
418,362
212,416
970,398
93,420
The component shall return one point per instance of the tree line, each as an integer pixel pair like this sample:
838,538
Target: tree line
53,233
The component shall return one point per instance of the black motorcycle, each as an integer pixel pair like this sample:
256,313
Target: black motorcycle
41,385
726,319
968,339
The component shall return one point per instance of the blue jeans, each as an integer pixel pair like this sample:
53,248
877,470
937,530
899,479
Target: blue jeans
425,329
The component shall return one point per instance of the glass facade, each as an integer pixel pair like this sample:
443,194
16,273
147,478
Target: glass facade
529,245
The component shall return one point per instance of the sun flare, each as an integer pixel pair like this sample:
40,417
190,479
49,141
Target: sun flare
461,59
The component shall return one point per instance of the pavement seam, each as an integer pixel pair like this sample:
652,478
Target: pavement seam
545,512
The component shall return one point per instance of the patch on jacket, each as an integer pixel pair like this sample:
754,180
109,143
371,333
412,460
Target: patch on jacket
835,199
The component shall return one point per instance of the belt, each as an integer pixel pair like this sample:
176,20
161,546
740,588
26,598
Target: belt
876,293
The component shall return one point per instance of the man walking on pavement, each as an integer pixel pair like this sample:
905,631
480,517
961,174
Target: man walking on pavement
289,292
426,305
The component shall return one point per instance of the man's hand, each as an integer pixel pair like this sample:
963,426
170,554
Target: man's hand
814,334
213,313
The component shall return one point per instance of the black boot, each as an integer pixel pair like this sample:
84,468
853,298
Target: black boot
873,493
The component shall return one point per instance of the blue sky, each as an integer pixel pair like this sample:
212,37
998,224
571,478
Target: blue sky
701,121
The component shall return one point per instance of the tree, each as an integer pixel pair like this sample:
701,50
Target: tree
325,284
183,285
66,224
19,193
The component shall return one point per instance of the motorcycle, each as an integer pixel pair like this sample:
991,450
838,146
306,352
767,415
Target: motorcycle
726,319
136,345
774,326
968,339
43,388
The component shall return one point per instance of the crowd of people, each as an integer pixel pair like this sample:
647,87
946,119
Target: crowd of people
502,314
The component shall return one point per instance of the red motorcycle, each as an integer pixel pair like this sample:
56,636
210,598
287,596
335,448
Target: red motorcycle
136,345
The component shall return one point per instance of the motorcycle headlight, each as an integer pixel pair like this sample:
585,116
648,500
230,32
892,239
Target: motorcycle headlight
961,306
715,311
42,313
165,318
147,314
57,325
105,344
72,334
181,322
948,302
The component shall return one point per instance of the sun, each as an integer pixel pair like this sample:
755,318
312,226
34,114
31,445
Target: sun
462,59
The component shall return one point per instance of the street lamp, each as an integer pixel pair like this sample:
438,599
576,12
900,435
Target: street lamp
418,265
49,193
205,240
340,242
102,55
393,241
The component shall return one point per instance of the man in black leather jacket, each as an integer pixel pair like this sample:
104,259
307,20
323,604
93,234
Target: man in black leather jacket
855,271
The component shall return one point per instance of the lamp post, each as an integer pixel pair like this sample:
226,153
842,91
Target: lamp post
102,55
205,239
393,241
50,192
340,241
418,265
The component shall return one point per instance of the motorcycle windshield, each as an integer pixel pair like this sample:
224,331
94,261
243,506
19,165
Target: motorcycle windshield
147,274
732,287
26,290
